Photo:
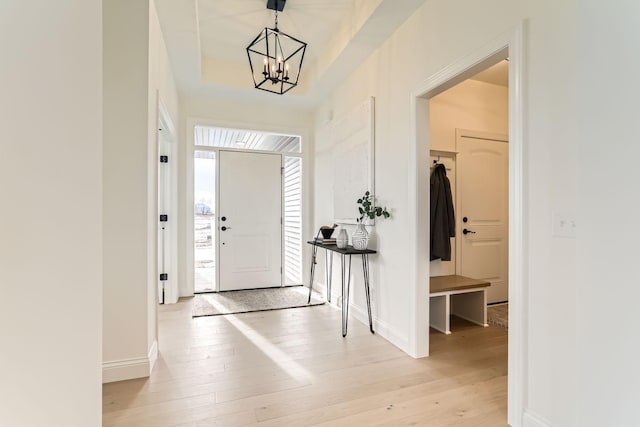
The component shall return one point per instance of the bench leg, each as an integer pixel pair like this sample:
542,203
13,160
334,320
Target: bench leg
439,313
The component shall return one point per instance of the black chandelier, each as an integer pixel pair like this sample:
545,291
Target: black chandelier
275,58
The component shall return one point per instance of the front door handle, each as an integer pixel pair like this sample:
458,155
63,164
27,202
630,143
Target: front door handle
225,228
465,232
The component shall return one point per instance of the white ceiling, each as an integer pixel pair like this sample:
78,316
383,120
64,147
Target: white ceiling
207,40
227,25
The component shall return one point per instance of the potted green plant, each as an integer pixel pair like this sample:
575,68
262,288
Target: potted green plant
367,210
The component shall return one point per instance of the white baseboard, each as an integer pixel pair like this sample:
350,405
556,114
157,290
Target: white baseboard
125,369
531,419
128,369
380,327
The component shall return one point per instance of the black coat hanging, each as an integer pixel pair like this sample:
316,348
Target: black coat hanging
443,222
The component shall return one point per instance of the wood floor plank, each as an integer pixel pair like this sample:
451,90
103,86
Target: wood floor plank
293,368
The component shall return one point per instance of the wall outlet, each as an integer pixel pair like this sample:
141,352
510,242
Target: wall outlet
564,225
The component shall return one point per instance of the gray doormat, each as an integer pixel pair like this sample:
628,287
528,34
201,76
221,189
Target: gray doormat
246,301
498,315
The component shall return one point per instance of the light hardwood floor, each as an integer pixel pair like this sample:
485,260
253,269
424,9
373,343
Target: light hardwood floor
293,368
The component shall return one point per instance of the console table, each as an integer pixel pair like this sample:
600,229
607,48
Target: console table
349,251
458,295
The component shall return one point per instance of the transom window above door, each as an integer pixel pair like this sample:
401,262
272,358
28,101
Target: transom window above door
206,136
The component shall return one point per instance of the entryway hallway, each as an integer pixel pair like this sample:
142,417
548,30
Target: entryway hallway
293,368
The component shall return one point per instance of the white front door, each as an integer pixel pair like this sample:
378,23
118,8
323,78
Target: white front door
483,210
249,220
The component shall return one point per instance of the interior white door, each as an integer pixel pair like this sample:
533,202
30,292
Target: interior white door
249,220
482,216
167,233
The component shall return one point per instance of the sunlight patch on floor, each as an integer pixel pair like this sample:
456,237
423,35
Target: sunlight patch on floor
280,358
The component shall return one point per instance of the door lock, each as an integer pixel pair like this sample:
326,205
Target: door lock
465,232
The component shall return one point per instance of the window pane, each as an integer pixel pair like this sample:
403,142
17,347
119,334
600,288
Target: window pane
204,171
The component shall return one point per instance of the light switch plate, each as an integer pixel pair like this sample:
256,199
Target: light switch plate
564,225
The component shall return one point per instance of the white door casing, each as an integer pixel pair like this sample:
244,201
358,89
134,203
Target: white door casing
482,198
509,44
250,236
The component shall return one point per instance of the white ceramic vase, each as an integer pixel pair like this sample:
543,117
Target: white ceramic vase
360,237
343,239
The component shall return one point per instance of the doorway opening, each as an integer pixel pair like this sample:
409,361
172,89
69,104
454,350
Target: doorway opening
508,45
247,203
468,130
469,125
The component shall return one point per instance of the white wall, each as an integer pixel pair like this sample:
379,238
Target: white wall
126,47
418,45
160,72
135,77
607,149
471,105
435,36
51,187
241,115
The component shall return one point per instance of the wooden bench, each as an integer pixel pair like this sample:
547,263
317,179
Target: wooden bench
458,295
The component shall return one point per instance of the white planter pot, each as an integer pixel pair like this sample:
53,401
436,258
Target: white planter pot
360,237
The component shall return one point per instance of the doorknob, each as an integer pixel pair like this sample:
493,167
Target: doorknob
465,231
225,228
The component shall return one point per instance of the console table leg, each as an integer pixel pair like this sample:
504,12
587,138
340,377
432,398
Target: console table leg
313,269
328,266
365,272
343,268
346,271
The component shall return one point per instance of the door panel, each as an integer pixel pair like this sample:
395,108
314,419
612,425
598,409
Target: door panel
249,220
482,198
